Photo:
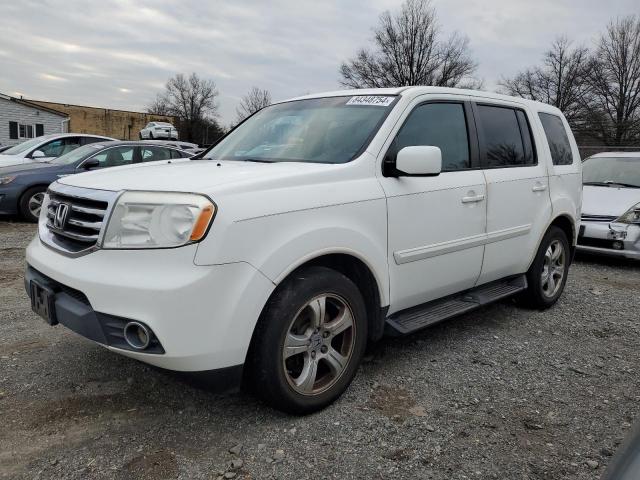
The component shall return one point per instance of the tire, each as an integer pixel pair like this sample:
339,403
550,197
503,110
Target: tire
294,311
547,275
28,202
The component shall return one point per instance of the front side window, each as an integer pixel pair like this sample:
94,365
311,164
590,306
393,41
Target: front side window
77,154
152,154
503,137
612,171
441,125
319,130
61,146
557,137
115,157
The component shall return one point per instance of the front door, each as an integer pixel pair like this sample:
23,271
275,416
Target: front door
436,224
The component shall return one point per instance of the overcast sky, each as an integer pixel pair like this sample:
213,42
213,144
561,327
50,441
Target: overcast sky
119,54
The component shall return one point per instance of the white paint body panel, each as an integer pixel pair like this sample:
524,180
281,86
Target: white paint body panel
418,236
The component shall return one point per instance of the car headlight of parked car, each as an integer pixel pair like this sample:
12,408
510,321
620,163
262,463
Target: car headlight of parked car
631,216
158,220
6,180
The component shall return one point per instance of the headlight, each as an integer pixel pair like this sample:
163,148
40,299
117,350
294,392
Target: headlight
631,216
158,220
8,179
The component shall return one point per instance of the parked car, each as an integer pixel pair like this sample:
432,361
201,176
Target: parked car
22,187
46,147
317,225
155,130
4,147
611,206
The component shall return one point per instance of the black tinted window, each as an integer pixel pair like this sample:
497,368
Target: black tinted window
440,125
502,138
152,154
557,138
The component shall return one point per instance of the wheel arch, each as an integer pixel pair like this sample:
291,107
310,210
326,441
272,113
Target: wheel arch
360,272
29,187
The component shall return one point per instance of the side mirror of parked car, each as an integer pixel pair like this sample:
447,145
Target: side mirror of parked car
38,154
89,164
422,161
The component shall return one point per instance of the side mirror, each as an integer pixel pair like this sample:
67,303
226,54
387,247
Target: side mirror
38,154
421,161
92,163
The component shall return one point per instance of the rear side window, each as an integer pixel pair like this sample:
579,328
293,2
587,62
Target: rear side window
505,137
441,125
557,137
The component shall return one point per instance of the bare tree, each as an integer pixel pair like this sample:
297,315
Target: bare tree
560,81
191,99
615,80
409,51
253,101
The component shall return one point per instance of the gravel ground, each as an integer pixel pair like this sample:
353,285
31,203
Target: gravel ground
501,393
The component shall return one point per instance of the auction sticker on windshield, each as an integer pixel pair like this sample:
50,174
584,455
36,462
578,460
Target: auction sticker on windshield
379,101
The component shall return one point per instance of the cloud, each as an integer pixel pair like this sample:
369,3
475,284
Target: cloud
120,53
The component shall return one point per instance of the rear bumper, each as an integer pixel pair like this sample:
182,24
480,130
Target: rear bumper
612,239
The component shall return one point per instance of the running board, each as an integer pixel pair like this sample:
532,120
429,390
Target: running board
422,316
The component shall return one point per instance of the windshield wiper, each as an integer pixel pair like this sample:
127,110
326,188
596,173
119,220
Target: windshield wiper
257,160
598,184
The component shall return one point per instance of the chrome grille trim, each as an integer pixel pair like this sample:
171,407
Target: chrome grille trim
597,218
82,232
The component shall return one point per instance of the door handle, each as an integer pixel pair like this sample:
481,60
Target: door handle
473,198
539,187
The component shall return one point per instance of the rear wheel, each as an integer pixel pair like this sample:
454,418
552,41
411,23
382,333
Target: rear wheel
548,273
31,203
309,341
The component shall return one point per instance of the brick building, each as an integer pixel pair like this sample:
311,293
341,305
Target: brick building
120,124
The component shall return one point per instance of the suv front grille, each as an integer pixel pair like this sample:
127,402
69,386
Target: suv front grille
75,218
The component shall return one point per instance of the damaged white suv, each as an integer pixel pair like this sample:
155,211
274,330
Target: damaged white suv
317,225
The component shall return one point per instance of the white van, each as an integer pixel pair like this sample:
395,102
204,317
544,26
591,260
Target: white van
317,225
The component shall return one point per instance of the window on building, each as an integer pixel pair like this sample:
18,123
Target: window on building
26,131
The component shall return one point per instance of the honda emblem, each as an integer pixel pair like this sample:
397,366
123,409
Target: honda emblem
60,219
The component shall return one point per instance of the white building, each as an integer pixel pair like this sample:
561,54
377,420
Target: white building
21,120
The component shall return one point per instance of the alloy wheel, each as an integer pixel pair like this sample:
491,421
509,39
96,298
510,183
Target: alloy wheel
553,269
35,204
318,344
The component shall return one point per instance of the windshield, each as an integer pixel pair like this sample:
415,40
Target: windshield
615,171
321,130
24,146
78,154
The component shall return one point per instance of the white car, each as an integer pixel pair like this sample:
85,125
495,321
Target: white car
319,224
159,130
611,209
46,147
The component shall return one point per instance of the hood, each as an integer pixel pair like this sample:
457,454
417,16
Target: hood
31,167
608,200
10,160
199,176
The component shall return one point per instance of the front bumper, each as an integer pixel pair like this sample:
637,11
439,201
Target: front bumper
602,238
203,316
9,196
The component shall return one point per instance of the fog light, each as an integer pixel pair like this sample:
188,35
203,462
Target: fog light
618,245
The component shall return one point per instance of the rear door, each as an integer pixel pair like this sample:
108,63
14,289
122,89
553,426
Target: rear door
518,202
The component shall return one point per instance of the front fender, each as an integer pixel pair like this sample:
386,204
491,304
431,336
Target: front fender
278,244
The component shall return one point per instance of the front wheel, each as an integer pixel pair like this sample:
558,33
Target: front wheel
309,341
31,203
548,273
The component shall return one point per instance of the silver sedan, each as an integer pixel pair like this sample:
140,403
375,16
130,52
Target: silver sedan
611,205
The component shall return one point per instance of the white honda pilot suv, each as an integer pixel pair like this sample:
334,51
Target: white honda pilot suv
315,226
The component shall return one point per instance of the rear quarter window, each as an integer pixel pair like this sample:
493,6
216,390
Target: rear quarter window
557,138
